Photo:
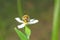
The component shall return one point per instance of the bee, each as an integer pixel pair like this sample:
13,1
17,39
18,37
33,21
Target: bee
26,18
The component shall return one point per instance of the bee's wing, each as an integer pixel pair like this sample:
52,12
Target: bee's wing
33,22
21,26
19,20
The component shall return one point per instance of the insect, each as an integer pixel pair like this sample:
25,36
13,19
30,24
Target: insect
26,18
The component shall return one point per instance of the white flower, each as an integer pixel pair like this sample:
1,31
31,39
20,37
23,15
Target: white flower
25,22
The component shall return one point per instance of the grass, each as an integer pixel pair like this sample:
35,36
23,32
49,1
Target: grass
56,15
19,8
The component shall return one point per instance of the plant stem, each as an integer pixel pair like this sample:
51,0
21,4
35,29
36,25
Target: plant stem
19,7
56,21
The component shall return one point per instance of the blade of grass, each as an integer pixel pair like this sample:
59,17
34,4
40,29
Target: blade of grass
55,28
19,7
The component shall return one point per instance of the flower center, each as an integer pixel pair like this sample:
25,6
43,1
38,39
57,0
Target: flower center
25,18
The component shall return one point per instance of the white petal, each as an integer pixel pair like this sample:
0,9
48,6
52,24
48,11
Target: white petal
19,20
21,26
33,22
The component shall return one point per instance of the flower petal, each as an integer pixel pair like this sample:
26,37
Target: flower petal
21,26
19,20
33,22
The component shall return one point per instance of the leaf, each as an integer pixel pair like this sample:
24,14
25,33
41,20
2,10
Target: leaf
20,34
27,31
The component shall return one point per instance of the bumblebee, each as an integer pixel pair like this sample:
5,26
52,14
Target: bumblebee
25,18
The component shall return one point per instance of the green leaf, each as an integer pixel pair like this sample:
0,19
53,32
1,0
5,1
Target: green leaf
27,31
20,34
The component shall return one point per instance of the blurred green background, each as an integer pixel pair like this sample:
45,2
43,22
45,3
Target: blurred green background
38,9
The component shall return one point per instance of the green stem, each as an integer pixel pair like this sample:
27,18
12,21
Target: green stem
19,7
56,21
